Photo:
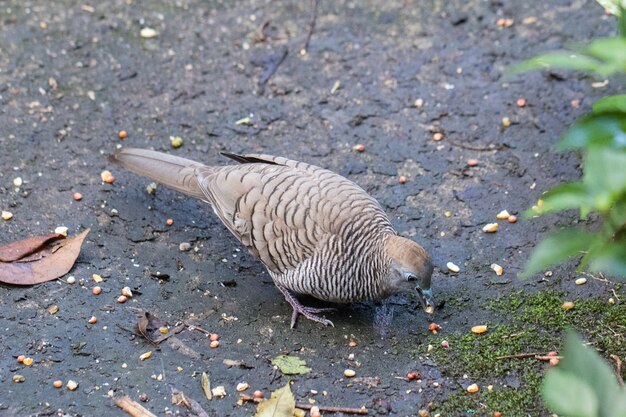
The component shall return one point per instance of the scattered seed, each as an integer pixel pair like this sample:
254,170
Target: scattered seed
91,95
553,353
413,375
479,329
497,269
612,301
429,348
497,414
28,361
472,388
122,299
213,337
568,305
352,343
126,291
349,373
581,281
445,344
402,179
247,121
17,181
145,356
97,278
336,86
433,328
107,177
143,397
18,378
506,122
575,104
452,267
219,391
169,222
472,162
528,21
438,136
554,361
122,134
423,413
77,196
242,386
359,147
447,213
176,141
315,411
7,215
521,102
20,359
503,215
215,344
512,219
490,228
164,330
53,83
258,394
71,279
92,320
71,385
96,290
53,309
418,103
148,33
184,246
489,388
57,384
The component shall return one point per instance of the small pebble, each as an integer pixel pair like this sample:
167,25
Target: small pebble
18,378
17,181
453,267
438,136
53,309
258,394
479,329
92,320
490,228
506,122
71,385
77,196
6,215
581,281
472,388
242,386
472,162
568,305
57,384
215,344
359,148
521,102
512,219
497,269
349,373
96,290
143,397
122,299
122,134
71,279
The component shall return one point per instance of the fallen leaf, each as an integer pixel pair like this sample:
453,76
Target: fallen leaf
50,259
206,386
281,404
17,250
149,325
291,365
195,409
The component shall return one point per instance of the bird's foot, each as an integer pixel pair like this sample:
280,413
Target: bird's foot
308,312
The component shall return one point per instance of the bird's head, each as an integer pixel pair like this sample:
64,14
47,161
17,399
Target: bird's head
410,269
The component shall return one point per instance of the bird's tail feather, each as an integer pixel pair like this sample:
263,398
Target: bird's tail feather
172,171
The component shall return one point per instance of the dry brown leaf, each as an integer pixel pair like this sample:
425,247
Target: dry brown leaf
149,324
179,399
206,386
50,261
17,250
281,404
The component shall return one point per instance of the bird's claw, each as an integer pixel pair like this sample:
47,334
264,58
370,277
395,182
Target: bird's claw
310,313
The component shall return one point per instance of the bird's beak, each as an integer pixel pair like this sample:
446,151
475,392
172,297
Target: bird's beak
428,302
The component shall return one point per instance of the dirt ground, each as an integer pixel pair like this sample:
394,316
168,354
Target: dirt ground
73,74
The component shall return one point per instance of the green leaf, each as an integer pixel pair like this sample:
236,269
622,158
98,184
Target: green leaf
605,129
291,365
611,260
558,59
605,175
611,104
609,50
281,404
569,396
557,248
563,197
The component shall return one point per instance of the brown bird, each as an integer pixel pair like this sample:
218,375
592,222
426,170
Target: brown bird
316,232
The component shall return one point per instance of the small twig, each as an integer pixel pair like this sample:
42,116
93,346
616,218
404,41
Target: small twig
259,36
311,28
198,328
615,294
132,407
520,356
618,369
345,410
476,148
547,358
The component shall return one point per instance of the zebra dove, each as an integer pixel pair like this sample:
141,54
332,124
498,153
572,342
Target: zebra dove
316,232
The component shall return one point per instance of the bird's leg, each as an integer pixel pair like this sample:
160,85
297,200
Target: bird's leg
308,312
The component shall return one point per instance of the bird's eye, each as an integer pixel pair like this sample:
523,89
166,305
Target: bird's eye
411,277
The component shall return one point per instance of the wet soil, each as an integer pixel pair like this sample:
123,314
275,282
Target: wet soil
72,76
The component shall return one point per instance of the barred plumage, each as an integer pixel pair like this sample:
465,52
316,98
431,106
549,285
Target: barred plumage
316,232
